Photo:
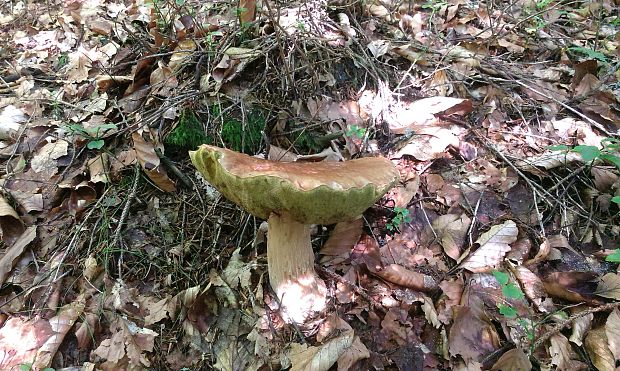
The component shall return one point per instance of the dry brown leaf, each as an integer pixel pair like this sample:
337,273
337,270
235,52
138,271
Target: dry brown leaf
238,273
532,285
453,291
181,53
471,336
163,81
338,246
45,159
128,340
402,276
14,251
513,360
322,357
548,161
581,326
429,142
422,113
29,201
60,326
10,223
356,352
98,168
609,286
598,349
573,286
158,311
494,244
151,163
30,334
451,229
612,331
560,352
247,10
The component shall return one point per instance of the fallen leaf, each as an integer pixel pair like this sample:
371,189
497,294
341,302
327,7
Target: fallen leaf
612,331
596,345
319,358
402,276
98,168
11,120
560,352
471,336
30,334
14,251
10,223
338,246
423,112
573,286
60,326
581,326
494,244
45,159
151,163
609,286
513,360
451,229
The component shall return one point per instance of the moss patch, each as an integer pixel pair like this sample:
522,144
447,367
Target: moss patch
188,134
243,138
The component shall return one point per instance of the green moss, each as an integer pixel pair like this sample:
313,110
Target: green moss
188,134
243,139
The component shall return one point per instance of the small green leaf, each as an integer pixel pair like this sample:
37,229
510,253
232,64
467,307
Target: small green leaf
501,277
95,144
612,159
616,199
614,257
559,147
507,310
512,291
588,153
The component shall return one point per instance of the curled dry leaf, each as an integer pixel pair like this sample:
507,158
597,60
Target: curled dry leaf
14,251
451,229
596,344
581,326
532,285
548,161
575,287
10,223
609,286
60,326
612,331
98,168
513,360
151,163
322,357
402,276
494,244
338,246
560,352
453,291
423,112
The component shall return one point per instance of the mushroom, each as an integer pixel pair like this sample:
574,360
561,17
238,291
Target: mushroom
292,196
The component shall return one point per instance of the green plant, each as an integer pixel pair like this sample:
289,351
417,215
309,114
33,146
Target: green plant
401,215
93,135
589,53
28,367
510,291
355,131
243,138
188,134
614,257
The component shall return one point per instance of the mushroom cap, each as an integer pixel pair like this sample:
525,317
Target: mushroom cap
310,192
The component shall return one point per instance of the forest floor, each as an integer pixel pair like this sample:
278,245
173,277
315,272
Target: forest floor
501,116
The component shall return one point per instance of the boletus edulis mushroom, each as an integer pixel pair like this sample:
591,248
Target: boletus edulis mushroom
292,196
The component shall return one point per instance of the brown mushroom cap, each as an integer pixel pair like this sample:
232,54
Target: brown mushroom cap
310,192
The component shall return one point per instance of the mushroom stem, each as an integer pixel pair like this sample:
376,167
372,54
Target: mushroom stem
290,263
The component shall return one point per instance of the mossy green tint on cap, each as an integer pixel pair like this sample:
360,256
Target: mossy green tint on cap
311,192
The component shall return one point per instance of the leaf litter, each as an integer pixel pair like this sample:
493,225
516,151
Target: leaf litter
504,126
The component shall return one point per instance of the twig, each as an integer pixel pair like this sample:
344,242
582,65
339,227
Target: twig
358,290
175,170
560,326
121,221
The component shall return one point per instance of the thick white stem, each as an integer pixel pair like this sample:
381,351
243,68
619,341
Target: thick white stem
290,262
